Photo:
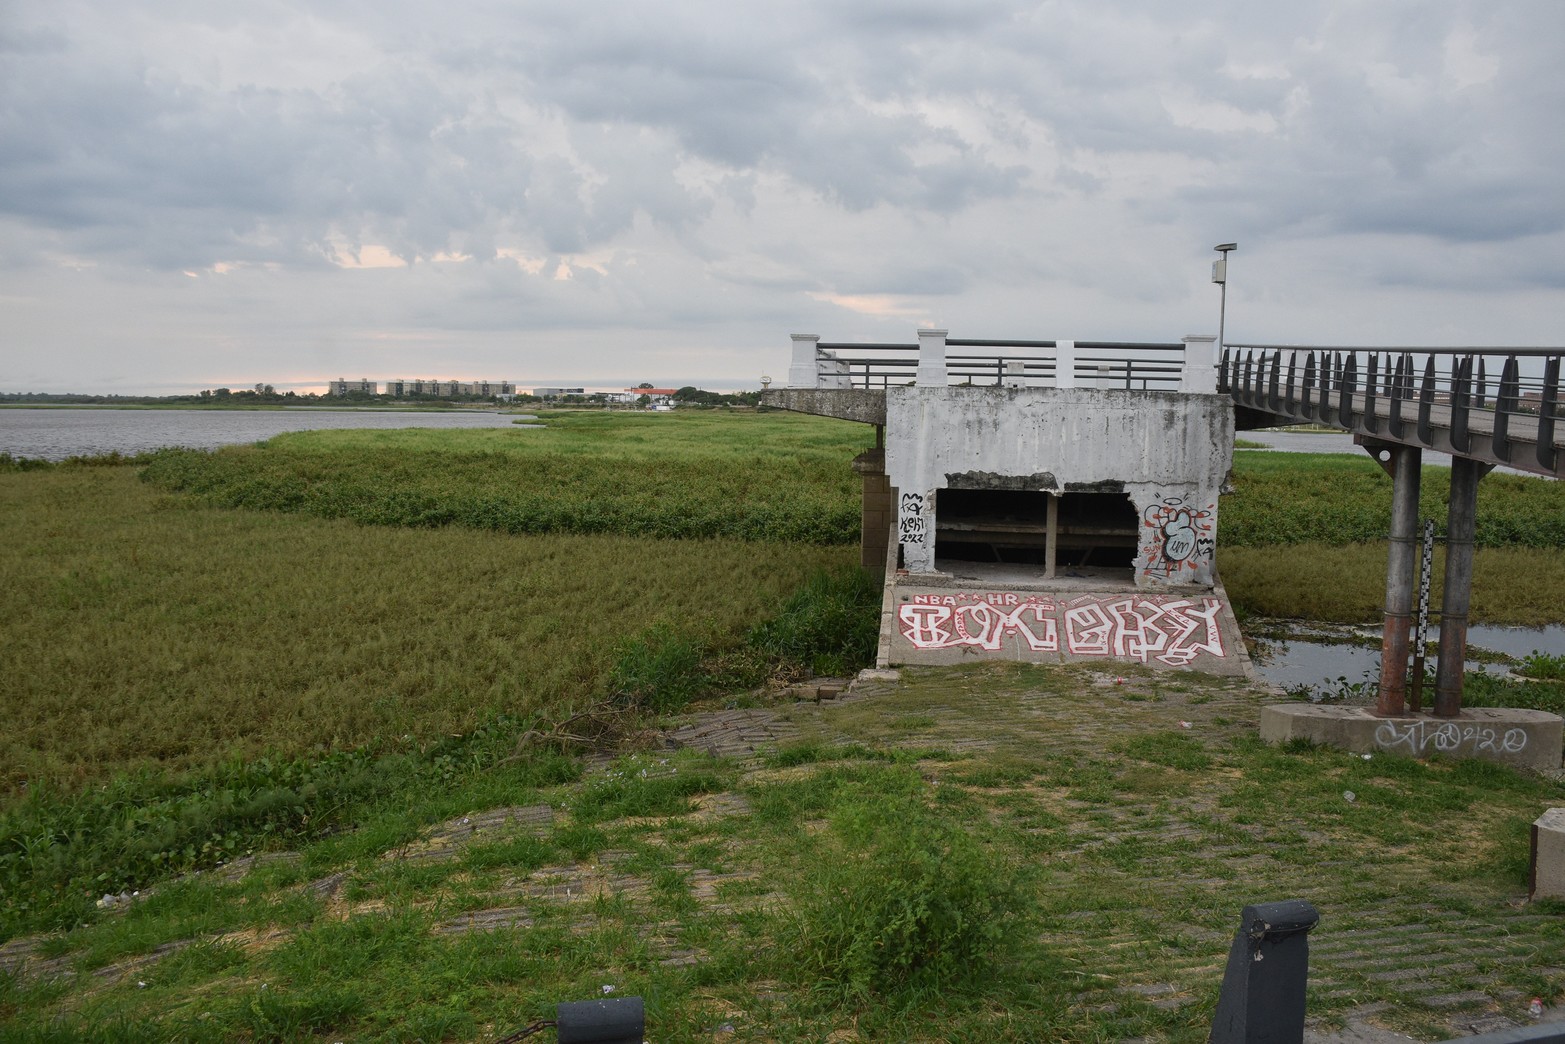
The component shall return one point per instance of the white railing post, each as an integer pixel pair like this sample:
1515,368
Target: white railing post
932,358
1065,364
835,372
802,372
1200,376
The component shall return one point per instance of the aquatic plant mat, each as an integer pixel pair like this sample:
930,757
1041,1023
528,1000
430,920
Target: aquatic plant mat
987,853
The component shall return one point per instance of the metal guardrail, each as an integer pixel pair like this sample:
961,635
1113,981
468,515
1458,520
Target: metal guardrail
1435,397
1132,365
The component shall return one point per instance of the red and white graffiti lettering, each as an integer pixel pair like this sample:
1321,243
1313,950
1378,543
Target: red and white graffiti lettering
1174,631
980,624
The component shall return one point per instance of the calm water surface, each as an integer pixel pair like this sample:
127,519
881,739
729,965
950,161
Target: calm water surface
1299,660
57,434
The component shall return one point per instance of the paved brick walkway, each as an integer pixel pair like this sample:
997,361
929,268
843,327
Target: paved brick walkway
1462,967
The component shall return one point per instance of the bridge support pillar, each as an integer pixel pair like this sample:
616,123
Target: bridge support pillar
1401,569
1461,521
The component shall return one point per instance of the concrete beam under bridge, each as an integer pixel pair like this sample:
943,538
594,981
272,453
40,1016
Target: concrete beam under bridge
864,405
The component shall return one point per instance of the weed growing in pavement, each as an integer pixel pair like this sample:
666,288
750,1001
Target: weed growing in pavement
896,897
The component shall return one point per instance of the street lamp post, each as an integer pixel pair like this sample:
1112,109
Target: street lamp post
1220,277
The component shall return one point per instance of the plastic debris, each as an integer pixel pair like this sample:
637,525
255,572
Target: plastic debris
607,988
1184,724
1368,756
1348,795
1535,1009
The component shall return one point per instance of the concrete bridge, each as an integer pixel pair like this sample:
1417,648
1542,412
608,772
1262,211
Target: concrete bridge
1008,418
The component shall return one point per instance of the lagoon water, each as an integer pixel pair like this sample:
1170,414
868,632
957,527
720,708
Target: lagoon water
54,434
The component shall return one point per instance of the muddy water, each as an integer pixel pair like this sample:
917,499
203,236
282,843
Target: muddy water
1320,657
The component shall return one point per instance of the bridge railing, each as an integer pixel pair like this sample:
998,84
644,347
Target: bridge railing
1406,393
936,359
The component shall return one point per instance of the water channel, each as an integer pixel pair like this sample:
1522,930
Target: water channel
55,434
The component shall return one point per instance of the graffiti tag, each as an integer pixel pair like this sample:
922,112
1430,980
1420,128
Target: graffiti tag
1418,737
912,526
1174,631
1182,537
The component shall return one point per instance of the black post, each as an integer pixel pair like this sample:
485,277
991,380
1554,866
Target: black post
621,1020
1263,988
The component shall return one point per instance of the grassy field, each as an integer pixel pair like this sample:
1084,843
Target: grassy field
993,854
329,644
1337,500
772,476
144,629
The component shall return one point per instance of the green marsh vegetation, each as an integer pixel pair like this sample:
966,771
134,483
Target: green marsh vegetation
759,477
329,642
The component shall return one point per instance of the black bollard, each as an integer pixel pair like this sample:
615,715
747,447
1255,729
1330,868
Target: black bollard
621,1020
1268,967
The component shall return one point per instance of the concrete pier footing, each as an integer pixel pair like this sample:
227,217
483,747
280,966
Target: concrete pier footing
1548,856
1521,738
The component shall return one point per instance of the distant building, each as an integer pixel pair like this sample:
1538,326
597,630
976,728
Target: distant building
401,387
346,387
558,393
657,395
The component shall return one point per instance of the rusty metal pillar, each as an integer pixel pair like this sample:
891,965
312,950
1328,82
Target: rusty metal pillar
1404,468
1461,520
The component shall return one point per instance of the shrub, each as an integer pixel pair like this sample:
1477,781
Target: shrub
898,898
830,626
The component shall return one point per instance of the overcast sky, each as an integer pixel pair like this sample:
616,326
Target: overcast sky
198,193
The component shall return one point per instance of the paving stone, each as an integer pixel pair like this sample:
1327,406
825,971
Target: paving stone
1455,1000
486,921
141,962
328,887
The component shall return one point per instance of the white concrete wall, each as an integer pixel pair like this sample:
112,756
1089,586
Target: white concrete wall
1171,452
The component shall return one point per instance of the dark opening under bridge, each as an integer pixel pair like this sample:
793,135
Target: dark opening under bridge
1485,407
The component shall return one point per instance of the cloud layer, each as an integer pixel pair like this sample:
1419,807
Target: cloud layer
596,193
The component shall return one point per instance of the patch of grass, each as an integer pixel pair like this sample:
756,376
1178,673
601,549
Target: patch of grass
1542,666
1337,499
895,899
642,785
143,631
1175,750
1514,585
831,625
773,476
1481,689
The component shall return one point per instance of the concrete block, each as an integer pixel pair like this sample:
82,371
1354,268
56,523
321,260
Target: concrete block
1522,738
1054,623
1548,855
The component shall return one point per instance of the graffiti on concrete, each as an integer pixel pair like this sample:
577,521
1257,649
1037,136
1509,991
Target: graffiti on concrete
1174,631
1183,538
912,525
1418,737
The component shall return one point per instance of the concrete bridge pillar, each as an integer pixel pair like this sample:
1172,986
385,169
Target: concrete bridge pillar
875,513
802,372
932,358
1200,375
1065,364
1401,569
1461,522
